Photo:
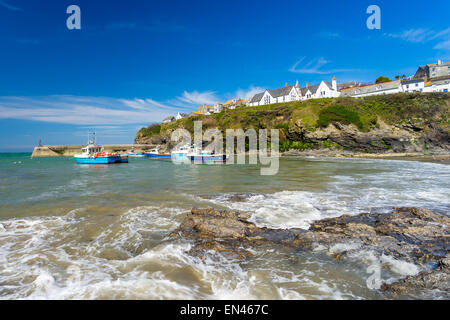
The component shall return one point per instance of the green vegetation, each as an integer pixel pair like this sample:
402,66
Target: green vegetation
365,114
339,113
382,79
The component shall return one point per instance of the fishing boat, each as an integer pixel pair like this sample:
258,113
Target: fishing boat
95,154
202,156
135,155
157,154
182,152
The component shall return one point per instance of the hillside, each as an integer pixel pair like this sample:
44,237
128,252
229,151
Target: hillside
417,122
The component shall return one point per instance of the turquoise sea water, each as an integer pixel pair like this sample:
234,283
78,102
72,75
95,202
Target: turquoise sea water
82,231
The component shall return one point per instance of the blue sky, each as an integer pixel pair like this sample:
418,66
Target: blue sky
134,62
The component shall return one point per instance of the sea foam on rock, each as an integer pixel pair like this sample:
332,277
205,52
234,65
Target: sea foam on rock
415,236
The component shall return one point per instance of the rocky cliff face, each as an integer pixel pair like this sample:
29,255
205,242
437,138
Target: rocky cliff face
410,137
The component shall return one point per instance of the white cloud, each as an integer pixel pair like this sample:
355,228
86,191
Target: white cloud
444,45
315,67
196,98
248,93
84,110
414,35
421,35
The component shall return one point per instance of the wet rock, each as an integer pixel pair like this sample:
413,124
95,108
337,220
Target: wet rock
437,279
415,235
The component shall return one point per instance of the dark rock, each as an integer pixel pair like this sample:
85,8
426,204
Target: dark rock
412,234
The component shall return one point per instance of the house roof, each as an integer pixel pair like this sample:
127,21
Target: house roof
312,89
281,91
169,118
371,88
257,97
413,81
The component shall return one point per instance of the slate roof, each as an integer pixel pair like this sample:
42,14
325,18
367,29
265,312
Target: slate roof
371,88
313,89
257,97
281,92
412,81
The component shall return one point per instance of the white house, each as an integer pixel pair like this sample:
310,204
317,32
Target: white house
181,116
218,107
324,89
169,119
413,85
285,94
441,84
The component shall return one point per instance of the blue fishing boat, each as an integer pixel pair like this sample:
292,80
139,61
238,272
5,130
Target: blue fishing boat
199,156
95,154
157,154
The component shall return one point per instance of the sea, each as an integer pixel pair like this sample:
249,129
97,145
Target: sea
70,231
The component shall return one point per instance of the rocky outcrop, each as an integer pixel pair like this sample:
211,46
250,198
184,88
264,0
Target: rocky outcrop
414,235
404,138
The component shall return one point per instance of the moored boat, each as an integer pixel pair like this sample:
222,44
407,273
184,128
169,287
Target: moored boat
200,156
157,154
135,155
95,154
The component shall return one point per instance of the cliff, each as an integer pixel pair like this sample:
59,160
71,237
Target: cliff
400,123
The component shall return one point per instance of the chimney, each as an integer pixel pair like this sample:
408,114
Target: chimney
439,62
286,84
334,83
297,85
307,84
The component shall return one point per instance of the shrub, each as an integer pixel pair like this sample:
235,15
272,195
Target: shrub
339,114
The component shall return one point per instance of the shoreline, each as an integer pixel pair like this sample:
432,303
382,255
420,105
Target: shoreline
437,157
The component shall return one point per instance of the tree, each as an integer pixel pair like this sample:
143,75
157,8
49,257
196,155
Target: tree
382,79
397,77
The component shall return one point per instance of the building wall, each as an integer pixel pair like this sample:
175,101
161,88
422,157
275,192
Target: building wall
439,71
413,87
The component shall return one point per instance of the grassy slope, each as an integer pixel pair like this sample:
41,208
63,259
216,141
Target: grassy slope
318,113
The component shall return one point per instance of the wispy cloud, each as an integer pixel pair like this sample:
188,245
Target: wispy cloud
9,6
424,35
315,67
196,98
84,110
248,93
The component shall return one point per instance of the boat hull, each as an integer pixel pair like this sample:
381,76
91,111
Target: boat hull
102,160
209,158
159,156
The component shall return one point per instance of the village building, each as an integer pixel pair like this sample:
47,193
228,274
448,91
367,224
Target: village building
181,116
433,70
285,94
205,109
233,103
413,85
440,84
373,89
218,107
324,89
169,119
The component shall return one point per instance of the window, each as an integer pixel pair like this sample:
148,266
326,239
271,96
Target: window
417,84
266,100
407,86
